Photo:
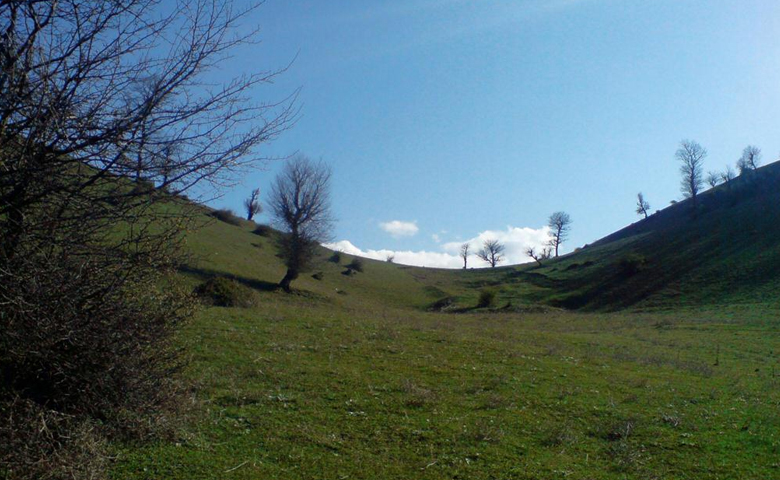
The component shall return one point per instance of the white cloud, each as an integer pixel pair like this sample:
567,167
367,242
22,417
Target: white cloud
405,257
397,228
436,238
516,240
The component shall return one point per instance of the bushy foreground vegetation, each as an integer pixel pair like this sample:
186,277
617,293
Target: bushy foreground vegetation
105,121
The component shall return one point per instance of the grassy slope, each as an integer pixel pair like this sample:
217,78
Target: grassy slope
352,378
728,256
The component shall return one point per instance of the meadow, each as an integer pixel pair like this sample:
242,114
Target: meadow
354,376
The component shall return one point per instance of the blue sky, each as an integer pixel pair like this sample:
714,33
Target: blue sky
466,117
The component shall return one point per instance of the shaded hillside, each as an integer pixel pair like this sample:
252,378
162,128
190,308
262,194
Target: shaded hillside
727,252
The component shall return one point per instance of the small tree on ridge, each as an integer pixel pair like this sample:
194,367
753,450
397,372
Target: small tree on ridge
491,252
691,155
560,225
750,159
544,254
252,205
464,253
642,205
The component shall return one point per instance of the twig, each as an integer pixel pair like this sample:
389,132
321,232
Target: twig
237,466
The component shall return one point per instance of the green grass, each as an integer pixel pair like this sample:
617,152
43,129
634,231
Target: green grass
303,390
671,371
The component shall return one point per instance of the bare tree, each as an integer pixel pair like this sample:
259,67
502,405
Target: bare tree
691,155
642,205
750,159
390,258
544,254
464,253
491,252
728,174
252,204
560,225
102,105
300,202
713,179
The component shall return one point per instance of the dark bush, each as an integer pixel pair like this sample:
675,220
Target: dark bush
356,265
318,276
225,292
226,215
263,230
36,442
486,298
82,360
631,264
335,258
442,304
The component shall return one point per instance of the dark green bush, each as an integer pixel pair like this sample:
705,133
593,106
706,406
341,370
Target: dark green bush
226,215
263,230
335,258
356,265
486,298
631,264
225,292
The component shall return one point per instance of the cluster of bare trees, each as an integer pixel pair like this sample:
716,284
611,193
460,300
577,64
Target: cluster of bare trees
492,250
105,113
690,156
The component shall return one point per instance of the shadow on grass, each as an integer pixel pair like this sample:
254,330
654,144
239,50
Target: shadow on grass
206,273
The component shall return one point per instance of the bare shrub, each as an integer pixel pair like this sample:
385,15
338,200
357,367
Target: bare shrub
538,256
87,355
36,443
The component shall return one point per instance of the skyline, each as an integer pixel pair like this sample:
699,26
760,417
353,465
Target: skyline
454,120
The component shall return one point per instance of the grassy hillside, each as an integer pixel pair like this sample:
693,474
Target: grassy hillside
675,372
724,255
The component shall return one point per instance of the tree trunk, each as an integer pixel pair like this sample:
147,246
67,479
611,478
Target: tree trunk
287,280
